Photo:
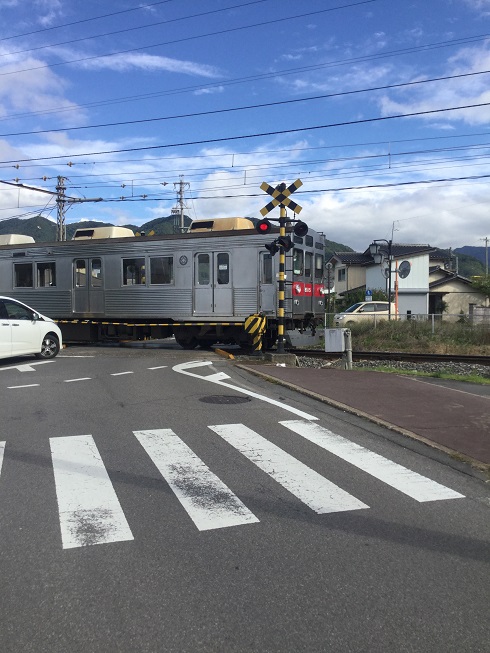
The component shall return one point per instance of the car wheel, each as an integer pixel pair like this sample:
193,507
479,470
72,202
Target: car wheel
49,347
349,323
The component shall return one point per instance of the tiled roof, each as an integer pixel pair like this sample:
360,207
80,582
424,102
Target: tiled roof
352,258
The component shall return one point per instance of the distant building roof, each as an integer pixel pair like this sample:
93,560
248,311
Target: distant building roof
448,276
352,258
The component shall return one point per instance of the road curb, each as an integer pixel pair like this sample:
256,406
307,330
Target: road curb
455,459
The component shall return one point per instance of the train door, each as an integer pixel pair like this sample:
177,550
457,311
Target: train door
212,284
88,291
267,287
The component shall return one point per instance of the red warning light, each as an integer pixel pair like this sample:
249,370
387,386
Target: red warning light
263,226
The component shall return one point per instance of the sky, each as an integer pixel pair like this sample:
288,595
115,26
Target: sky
380,107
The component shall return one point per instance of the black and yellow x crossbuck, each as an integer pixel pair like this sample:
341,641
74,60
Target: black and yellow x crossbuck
281,196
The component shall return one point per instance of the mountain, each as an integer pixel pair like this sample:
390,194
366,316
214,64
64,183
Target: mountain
44,231
475,252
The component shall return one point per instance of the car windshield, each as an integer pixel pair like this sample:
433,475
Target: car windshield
352,308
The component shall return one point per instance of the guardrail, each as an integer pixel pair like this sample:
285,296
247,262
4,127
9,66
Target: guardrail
479,320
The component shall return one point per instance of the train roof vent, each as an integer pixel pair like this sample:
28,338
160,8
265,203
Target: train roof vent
15,239
103,232
221,224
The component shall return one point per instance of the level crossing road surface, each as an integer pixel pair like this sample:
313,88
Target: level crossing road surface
164,500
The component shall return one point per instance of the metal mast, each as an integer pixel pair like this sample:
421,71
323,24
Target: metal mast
178,211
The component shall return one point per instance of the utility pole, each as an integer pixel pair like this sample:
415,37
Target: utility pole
60,201
486,254
178,211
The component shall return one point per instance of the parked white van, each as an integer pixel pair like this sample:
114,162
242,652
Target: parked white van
363,311
25,331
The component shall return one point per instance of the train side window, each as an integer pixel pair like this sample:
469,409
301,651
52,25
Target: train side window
266,272
309,241
308,264
298,261
223,265
96,276
80,273
203,270
318,266
161,269
46,274
134,272
23,275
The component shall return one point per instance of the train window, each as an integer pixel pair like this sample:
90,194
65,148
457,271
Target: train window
223,263
80,273
298,261
96,276
23,275
318,266
308,264
309,241
203,270
134,271
266,268
161,269
46,274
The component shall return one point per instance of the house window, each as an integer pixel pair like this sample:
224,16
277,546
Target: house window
341,274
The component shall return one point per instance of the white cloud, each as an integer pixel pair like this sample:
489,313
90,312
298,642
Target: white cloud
210,91
150,63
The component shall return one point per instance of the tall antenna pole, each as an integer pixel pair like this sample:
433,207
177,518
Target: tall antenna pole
486,254
60,201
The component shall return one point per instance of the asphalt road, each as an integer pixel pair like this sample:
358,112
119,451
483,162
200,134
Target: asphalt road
163,500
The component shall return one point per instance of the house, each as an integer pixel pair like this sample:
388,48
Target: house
451,293
422,277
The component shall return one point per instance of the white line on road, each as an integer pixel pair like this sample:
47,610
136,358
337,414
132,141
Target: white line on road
207,500
218,377
25,367
2,451
90,512
317,492
84,378
30,385
158,367
121,373
410,483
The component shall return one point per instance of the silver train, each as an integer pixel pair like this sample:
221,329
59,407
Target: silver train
199,286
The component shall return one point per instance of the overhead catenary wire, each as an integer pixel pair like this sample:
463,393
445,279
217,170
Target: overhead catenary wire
250,136
248,107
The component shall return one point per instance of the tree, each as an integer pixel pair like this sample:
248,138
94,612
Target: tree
482,284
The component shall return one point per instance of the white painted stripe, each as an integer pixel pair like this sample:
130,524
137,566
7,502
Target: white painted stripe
317,492
214,378
2,451
207,500
158,367
14,387
121,373
84,378
90,512
410,483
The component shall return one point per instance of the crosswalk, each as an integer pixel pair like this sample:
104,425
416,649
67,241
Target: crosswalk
90,512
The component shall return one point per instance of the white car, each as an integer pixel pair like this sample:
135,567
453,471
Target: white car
25,331
362,311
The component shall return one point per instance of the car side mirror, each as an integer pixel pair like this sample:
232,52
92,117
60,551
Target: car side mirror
35,317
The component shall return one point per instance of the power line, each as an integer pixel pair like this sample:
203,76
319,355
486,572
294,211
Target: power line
189,38
250,106
84,20
248,136
131,29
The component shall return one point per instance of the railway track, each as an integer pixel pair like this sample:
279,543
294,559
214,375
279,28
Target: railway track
395,356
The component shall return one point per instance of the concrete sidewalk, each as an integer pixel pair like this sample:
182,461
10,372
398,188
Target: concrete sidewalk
448,418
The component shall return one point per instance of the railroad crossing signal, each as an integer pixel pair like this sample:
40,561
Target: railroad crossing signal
281,197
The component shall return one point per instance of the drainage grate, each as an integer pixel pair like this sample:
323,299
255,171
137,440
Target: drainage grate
224,399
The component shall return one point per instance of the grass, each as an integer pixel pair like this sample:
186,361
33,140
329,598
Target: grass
471,378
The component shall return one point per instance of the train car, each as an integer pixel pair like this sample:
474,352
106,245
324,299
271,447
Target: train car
199,286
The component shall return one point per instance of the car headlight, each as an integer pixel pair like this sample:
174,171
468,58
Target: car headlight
339,317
